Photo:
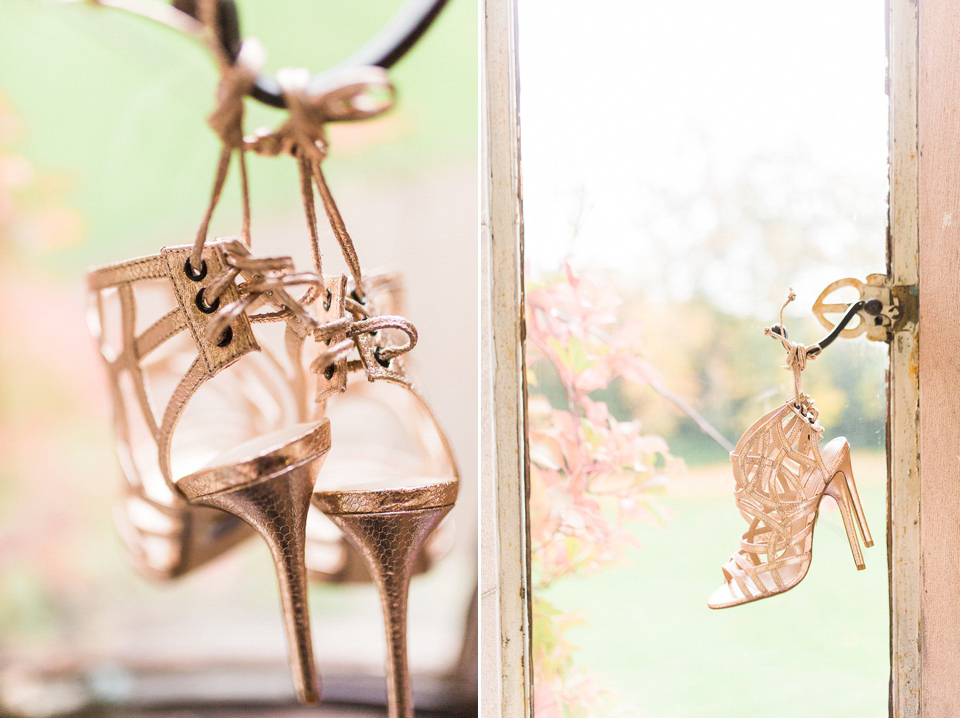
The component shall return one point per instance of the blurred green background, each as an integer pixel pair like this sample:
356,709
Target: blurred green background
115,106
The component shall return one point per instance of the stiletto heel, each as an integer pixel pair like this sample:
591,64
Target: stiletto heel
847,470
271,492
388,527
843,490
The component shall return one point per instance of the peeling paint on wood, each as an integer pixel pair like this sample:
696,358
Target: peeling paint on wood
506,690
903,533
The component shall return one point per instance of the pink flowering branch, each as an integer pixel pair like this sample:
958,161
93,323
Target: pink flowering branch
592,475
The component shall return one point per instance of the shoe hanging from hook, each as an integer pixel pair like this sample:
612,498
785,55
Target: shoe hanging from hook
384,50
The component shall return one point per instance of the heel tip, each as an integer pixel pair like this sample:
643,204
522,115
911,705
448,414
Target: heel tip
310,698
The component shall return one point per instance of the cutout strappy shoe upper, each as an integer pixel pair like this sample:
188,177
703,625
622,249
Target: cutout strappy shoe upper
254,459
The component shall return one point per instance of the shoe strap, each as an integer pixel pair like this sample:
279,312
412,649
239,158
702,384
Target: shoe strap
226,120
351,95
384,292
797,357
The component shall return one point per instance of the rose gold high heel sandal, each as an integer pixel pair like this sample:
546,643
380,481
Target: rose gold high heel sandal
385,509
781,477
264,478
364,307
233,441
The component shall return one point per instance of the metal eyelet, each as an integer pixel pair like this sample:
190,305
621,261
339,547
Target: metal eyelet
328,372
385,363
204,307
328,301
226,337
195,275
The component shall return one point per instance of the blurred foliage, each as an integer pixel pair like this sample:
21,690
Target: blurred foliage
726,368
44,433
592,475
728,371
33,216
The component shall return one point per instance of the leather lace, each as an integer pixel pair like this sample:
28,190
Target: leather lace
358,323
350,95
797,357
353,94
270,278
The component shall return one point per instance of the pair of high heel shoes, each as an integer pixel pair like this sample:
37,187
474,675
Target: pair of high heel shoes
223,385
782,476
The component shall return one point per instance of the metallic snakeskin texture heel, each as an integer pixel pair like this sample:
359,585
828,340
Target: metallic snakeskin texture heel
231,435
388,527
271,492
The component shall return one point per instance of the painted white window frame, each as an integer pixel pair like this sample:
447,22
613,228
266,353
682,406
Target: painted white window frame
505,621
903,393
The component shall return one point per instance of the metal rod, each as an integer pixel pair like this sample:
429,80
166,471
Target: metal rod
384,50
852,311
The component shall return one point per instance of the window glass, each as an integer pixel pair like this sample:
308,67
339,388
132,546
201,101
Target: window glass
684,165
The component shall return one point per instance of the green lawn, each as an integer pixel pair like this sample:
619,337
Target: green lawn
818,650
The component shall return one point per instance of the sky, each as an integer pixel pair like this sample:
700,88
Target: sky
625,103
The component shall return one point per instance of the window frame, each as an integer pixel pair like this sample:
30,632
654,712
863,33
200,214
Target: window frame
903,390
505,614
